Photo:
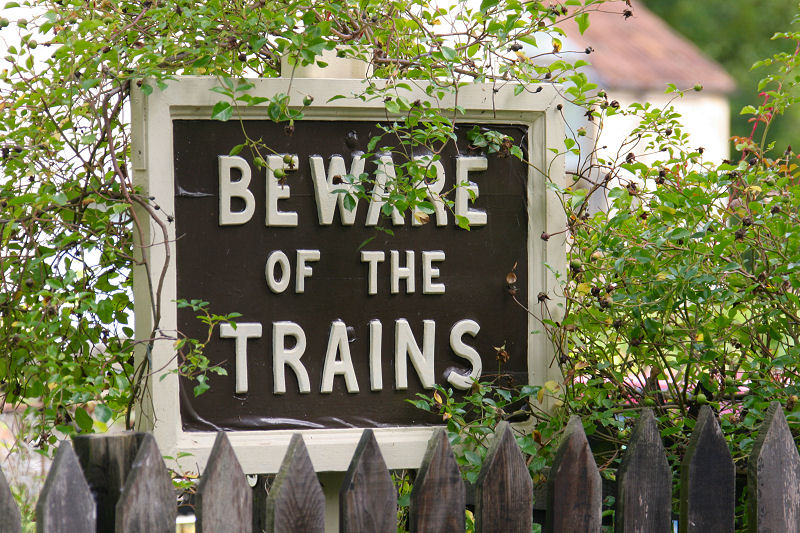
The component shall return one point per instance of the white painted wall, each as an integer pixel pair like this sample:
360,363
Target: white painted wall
705,117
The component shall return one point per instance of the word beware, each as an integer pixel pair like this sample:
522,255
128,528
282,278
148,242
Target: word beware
330,190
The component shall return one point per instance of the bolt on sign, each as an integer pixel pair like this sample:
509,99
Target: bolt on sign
347,309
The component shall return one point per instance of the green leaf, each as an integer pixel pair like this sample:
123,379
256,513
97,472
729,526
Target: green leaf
449,53
486,5
473,457
83,420
236,149
392,107
222,111
103,413
404,500
582,19
201,386
349,202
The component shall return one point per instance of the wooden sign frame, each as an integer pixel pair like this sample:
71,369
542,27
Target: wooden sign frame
153,166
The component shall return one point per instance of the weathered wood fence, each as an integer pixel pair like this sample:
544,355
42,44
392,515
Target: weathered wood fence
120,483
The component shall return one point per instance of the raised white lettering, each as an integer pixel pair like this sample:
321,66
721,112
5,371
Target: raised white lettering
375,367
372,258
283,357
429,272
406,347
304,271
326,185
434,189
398,272
465,165
384,175
338,345
229,189
243,331
278,190
459,329
279,258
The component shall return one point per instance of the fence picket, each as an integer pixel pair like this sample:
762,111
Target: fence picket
504,490
708,479
367,499
644,482
296,503
774,477
574,486
437,498
65,503
106,461
260,503
224,500
10,521
147,503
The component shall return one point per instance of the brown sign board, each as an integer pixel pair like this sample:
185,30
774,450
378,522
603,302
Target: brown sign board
343,314
428,279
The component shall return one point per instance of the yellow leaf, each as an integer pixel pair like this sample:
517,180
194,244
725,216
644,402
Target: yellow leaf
551,385
540,395
754,189
437,398
583,288
699,337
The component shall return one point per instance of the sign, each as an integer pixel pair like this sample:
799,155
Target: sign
345,314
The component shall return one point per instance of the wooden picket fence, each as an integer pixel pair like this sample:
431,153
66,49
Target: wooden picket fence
120,483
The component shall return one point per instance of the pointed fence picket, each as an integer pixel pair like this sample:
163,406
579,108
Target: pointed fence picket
121,480
65,503
708,479
9,512
147,501
574,487
295,502
224,500
437,498
504,492
367,499
644,482
774,477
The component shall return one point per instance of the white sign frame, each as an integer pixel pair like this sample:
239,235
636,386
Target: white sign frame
190,97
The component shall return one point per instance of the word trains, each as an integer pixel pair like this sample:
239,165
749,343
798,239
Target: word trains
339,361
